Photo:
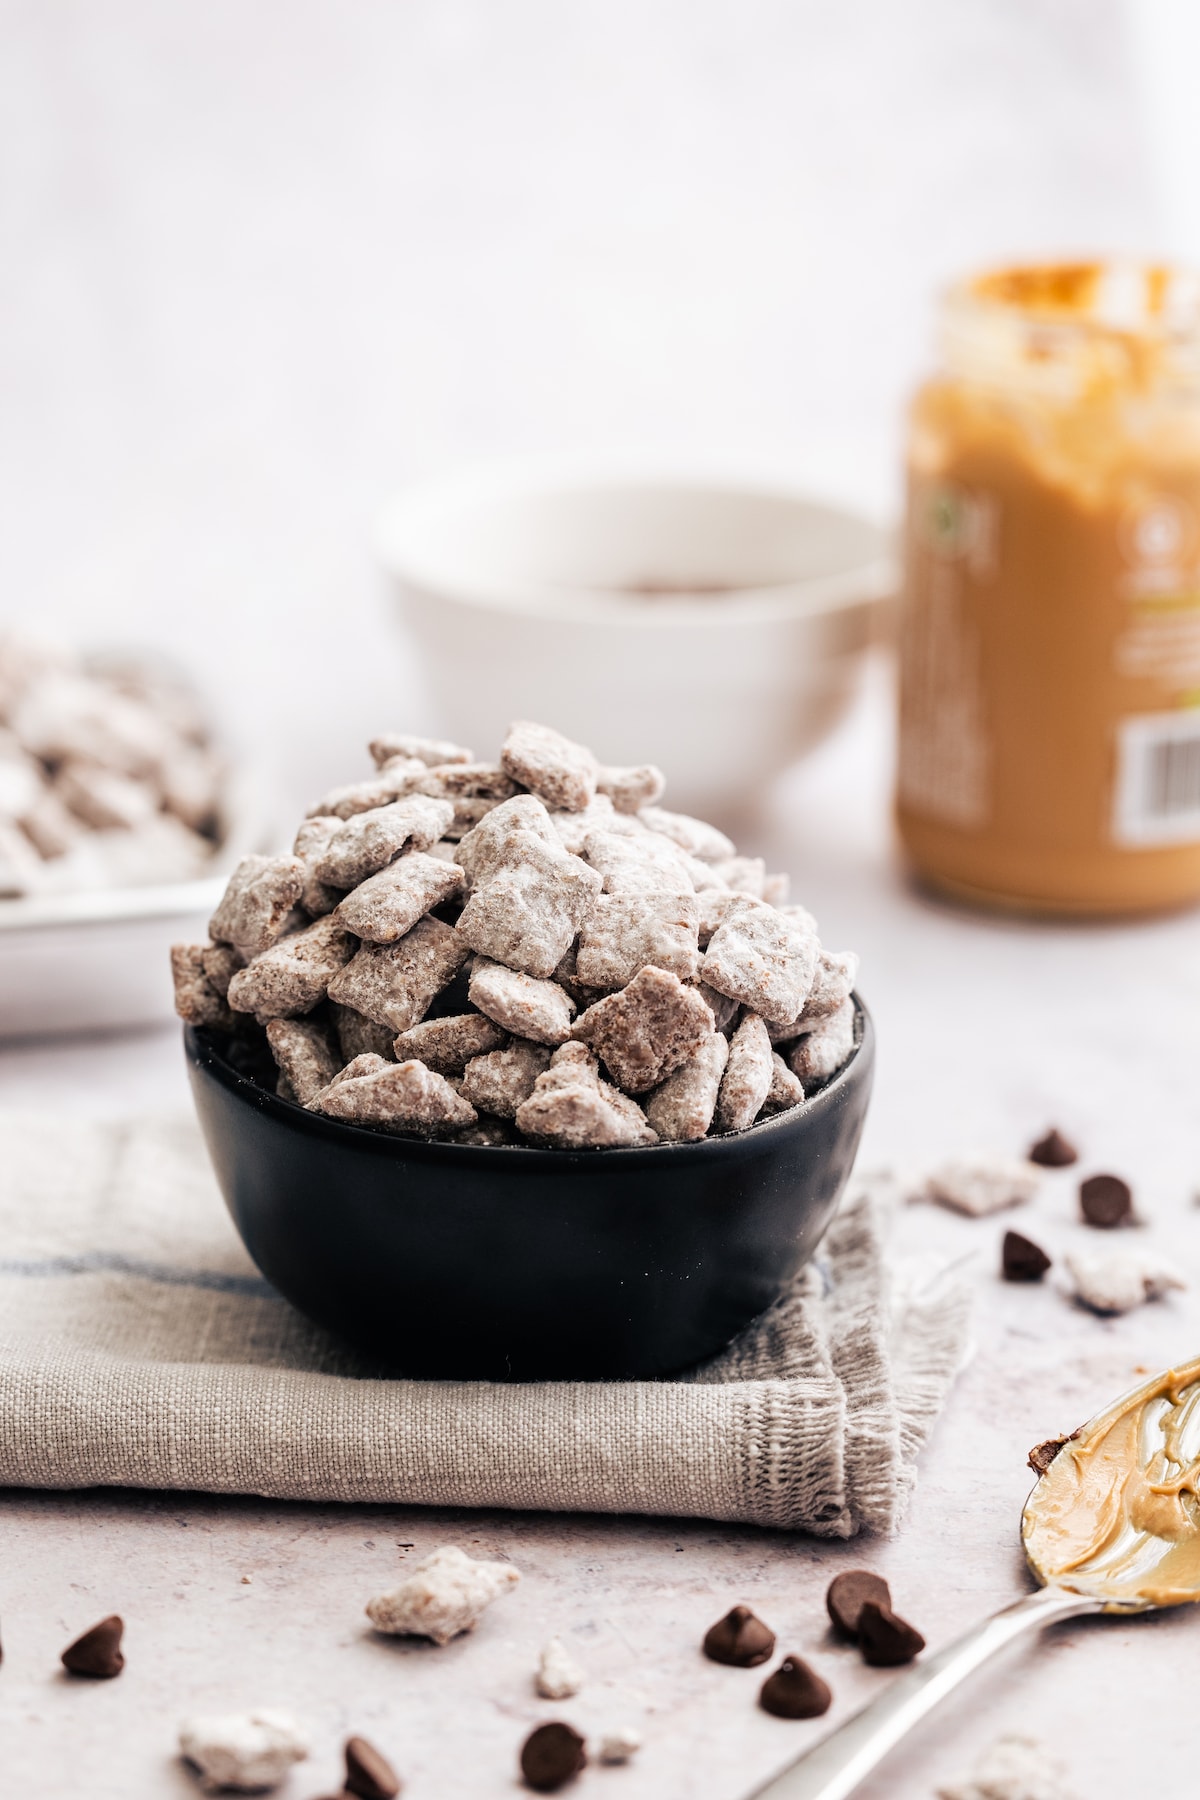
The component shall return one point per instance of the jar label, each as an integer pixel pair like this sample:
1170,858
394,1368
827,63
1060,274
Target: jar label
1156,797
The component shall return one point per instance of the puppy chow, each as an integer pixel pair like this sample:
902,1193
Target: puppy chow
822,1053
682,1109
748,1075
294,975
386,906
559,772
646,1030
978,1183
405,1097
398,778
501,1080
198,1000
570,1108
631,789
528,912
521,1004
744,874
371,840
759,958
448,1045
221,963
700,840
257,902
724,1010
644,864
311,841
305,1055
468,781
357,1035
786,1090
495,840
433,752
573,827
626,932
394,984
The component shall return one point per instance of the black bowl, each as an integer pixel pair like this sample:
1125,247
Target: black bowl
513,1263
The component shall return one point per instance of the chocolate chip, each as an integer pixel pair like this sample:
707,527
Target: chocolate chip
1106,1201
98,1652
794,1691
847,1594
1054,1151
1021,1259
551,1756
1043,1454
368,1772
739,1639
885,1639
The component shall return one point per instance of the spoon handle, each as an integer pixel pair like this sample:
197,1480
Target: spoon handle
839,1762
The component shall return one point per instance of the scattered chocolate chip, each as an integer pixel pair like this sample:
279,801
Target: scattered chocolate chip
1106,1201
1054,1151
739,1639
551,1756
369,1774
1021,1259
794,1691
847,1594
1042,1455
98,1652
885,1639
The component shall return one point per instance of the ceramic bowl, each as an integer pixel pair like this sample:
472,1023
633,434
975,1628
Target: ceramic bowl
715,627
517,1263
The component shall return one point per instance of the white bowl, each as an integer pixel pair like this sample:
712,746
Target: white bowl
100,960
535,591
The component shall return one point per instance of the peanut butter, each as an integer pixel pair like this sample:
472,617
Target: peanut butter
1117,1513
1050,636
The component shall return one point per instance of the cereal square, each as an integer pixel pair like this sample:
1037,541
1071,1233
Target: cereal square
559,772
681,1110
756,956
528,912
573,827
294,975
693,835
221,963
570,1108
401,777
748,1076
495,842
644,864
744,874
394,984
448,1045
256,904
383,907
644,1032
371,840
431,751
197,998
358,1036
305,1056
401,1096
631,789
502,1080
522,1004
626,932
822,1053
468,781
786,1090
312,840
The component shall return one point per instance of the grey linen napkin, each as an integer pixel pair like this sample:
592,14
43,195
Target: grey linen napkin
139,1347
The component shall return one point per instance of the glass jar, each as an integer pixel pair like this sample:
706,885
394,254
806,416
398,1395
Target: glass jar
1050,622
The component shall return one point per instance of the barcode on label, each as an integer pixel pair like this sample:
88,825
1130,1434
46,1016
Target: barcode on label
1157,799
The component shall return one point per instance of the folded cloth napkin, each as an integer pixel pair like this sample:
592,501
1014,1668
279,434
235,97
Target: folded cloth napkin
139,1347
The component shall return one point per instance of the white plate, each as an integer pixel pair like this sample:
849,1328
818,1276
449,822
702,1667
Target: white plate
100,961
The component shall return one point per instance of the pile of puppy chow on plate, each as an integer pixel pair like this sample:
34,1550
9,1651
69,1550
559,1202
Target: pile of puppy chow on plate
525,951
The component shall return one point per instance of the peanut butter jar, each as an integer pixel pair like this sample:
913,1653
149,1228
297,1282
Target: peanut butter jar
1050,622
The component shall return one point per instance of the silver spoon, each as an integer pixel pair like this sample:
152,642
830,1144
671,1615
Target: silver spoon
1113,1526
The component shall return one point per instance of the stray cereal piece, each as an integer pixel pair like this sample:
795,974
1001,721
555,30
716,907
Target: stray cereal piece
97,1654
403,1096
1015,1768
980,1183
786,1090
740,1640
196,997
247,1751
1054,1151
221,963
1106,1201
619,1746
371,840
1021,1259
1115,1281
627,932
744,874
305,1056
356,1034
758,957
527,913
847,1594
497,840
369,1774
572,1109
433,752
748,1076
401,777
448,1045
693,835
256,903
885,1639
597,815
385,906
631,789
641,864
681,1110
395,983
822,1053
499,1081
522,1004
294,975
795,1691
468,781
552,1755
646,1031
776,889
311,842
441,1596
559,772
558,1674
1043,1454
